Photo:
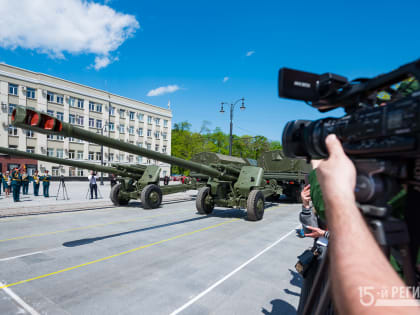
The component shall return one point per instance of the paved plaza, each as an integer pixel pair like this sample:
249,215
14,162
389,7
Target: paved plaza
82,256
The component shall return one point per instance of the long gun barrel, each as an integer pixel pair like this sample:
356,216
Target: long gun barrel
83,165
44,123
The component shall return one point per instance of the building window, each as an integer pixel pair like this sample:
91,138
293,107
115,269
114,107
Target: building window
60,116
79,140
50,112
149,119
130,159
131,130
99,124
30,93
80,120
139,159
99,108
79,172
122,113
91,155
50,137
13,89
59,153
165,123
122,127
121,157
60,99
50,96
131,115
98,156
140,132
72,101
157,147
11,108
72,171
111,126
72,119
164,135
111,157
141,117
60,138
140,145
80,155
112,110
71,154
157,121
30,134
149,133
148,161
157,135
50,152
149,146
91,106
12,131
91,122
55,171
30,149
80,103
164,149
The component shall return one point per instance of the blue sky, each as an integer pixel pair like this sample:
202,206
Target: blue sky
192,46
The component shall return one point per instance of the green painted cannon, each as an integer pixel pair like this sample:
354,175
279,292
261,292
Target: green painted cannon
227,186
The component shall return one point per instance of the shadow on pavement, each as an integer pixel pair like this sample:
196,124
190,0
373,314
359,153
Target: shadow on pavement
86,241
280,307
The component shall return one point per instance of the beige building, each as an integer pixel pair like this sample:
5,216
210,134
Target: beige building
117,117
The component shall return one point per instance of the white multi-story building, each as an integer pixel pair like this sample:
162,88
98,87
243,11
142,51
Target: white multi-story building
117,117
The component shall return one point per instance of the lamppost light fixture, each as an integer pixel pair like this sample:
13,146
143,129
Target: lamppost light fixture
221,109
243,105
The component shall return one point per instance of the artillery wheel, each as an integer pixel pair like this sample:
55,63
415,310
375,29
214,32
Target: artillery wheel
151,196
204,202
255,205
115,190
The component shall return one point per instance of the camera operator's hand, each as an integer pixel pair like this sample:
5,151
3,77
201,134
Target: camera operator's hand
337,174
305,195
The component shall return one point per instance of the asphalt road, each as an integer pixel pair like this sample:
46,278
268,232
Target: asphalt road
163,261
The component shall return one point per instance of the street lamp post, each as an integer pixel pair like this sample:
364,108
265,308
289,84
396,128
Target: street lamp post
102,157
232,107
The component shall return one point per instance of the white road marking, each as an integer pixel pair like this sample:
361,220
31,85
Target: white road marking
19,301
29,254
203,293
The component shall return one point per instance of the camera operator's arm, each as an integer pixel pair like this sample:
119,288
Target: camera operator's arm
356,260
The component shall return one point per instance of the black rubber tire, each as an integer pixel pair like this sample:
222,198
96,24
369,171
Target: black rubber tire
147,201
255,205
115,190
200,202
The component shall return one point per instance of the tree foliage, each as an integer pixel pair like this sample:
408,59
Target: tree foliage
186,143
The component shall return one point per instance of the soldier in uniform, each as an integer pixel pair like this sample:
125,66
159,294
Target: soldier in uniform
46,183
5,179
16,181
36,180
25,181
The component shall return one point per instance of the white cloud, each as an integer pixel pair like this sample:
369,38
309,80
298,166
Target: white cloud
250,53
225,79
70,26
163,90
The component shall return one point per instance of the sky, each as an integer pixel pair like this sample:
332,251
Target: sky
197,54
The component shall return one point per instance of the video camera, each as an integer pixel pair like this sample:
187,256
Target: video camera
381,137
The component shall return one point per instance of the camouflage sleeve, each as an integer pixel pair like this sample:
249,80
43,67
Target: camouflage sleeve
316,195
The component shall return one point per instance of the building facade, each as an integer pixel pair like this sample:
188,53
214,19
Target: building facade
98,111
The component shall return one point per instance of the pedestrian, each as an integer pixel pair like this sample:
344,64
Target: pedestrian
92,184
6,183
36,180
166,180
1,180
16,182
113,180
25,181
46,183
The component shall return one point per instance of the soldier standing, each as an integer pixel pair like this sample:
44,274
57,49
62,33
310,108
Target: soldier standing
35,179
16,178
25,181
46,183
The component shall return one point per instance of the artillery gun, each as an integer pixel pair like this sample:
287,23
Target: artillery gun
134,180
227,186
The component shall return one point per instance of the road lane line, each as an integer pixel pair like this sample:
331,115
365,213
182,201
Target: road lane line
84,227
30,254
203,293
3,286
19,301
